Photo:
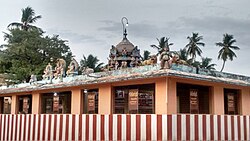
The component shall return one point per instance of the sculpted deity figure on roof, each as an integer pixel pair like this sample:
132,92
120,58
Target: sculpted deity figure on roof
165,57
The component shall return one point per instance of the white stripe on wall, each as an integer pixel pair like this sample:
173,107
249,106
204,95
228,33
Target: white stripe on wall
2,121
241,128
153,127
222,127
83,127
98,127
174,127
235,128
57,126
46,126
164,127
14,127
114,127
124,129
248,134
215,128
90,127
64,127
229,127
183,127
42,128
70,128
106,127
52,127
27,126
10,126
18,126
143,127
36,129
208,135
6,126
133,127
192,131
200,127
76,127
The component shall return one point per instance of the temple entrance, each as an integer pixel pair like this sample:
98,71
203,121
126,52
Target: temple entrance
193,99
134,99
231,101
56,103
5,105
24,104
90,101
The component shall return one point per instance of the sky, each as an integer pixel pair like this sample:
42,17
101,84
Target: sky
92,26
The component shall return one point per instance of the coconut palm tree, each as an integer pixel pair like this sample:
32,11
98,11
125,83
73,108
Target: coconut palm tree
163,42
28,18
206,63
226,52
146,55
193,46
91,62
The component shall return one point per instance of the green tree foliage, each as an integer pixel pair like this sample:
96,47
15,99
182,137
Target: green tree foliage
193,46
28,52
163,42
226,52
91,62
28,18
146,55
206,63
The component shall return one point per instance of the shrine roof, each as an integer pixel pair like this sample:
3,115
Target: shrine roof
137,73
125,43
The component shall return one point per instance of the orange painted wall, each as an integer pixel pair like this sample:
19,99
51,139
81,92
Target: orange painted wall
245,101
36,103
13,104
105,99
76,101
161,96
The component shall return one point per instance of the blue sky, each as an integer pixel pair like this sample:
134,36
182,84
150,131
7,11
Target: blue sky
93,26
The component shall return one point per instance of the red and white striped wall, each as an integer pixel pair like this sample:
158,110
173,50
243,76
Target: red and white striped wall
123,127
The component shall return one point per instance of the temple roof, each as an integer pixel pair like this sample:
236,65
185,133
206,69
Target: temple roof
125,44
137,73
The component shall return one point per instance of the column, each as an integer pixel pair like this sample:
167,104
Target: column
76,101
105,99
171,96
244,100
36,106
13,104
161,96
217,100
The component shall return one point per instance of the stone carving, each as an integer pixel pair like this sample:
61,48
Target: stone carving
73,67
136,52
48,72
165,59
60,69
33,79
175,59
124,65
113,52
151,61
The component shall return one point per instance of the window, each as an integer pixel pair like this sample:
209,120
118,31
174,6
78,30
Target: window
56,103
231,101
134,99
5,105
90,98
192,99
24,104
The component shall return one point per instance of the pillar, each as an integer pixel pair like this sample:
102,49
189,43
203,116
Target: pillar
36,106
171,96
161,96
105,99
244,100
13,104
218,100
76,101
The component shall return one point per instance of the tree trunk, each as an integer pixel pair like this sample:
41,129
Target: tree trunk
223,66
